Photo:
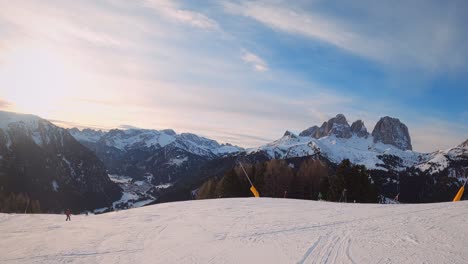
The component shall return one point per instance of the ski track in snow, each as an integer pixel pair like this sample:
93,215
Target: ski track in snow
244,230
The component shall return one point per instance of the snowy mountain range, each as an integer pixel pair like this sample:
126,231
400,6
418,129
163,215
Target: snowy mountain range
130,139
337,140
164,155
386,152
359,150
144,162
49,164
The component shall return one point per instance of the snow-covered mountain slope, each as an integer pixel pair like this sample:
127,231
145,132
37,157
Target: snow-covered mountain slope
87,135
39,130
243,231
359,150
336,140
441,160
46,163
126,140
166,155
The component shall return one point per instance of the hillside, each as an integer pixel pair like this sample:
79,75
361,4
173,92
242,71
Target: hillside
243,231
163,155
43,165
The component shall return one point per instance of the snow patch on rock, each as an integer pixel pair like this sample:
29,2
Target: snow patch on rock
177,161
55,186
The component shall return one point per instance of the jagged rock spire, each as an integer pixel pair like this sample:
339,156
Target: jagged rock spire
391,131
359,129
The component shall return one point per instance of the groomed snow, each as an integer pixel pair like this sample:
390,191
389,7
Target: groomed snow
243,231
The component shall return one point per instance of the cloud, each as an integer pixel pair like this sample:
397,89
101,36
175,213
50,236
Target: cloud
257,63
171,10
430,134
42,22
162,65
410,35
125,127
240,109
68,124
5,105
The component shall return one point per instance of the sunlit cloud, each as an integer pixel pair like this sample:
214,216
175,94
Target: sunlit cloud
5,105
162,64
257,63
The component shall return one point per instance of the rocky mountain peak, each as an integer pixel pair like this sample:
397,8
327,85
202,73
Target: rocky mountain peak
49,164
339,119
86,134
337,126
310,132
359,129
464,144
289,134
392,131
169,132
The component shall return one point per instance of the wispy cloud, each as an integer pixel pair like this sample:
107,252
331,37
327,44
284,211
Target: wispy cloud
412,35
257,63
5,105
128,127
172,10
68,124
162,64
430,134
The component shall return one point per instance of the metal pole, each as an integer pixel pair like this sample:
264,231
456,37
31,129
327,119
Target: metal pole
27,205
246,175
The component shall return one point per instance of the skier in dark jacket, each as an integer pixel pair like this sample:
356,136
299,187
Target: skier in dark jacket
68,213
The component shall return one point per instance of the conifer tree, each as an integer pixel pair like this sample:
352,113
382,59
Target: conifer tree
229,186
207,190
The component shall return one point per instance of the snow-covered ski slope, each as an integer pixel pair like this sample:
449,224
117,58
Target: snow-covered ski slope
243,231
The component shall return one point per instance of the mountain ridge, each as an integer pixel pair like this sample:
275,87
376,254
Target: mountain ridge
47,164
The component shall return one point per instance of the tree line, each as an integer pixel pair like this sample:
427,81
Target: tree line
18,203
310,179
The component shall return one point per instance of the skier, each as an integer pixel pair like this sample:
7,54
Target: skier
68,213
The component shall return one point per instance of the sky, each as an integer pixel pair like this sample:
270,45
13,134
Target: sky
241,72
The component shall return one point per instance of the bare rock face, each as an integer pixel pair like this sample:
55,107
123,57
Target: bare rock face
391,131
310,132
289,134
464,144
337,126
359,129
